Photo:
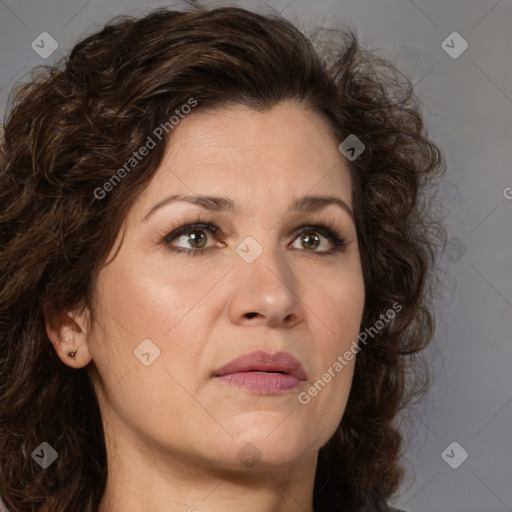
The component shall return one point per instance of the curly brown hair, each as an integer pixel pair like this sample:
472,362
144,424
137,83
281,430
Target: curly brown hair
75,123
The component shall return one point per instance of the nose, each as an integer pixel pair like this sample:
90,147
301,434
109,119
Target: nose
265,290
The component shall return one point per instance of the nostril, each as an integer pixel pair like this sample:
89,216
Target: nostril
251,315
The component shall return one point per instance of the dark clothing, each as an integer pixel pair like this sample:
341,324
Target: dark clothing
375,503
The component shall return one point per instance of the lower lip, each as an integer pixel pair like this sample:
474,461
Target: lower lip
262,382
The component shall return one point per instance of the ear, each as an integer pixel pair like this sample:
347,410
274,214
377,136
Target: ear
68,333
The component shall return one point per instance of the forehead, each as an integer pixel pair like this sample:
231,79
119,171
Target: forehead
287,128
251,156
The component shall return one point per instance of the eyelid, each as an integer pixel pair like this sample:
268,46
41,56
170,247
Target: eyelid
186,228
326,226
188,219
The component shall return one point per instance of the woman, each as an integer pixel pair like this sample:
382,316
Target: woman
265,374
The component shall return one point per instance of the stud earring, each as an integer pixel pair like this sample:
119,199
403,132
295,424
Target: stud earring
72,354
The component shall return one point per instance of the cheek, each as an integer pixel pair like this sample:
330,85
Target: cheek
341,309
146,301
136,303
345,303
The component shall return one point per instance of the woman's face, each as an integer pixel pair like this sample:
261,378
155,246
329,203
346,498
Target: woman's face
172,312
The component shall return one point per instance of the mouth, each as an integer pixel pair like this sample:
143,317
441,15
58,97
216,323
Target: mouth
263,373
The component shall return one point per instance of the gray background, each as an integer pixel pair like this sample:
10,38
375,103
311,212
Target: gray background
468,108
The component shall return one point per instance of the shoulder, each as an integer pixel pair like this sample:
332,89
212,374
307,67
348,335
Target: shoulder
373,502
389,508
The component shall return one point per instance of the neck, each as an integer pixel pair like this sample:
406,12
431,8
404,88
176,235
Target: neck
142,486
140,479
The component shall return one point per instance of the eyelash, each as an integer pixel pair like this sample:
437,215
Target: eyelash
326,229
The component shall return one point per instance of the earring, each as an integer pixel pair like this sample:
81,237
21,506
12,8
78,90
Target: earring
72,354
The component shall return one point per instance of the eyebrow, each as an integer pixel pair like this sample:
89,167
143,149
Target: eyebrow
306,204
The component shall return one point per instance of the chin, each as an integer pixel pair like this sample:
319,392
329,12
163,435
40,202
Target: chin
272,448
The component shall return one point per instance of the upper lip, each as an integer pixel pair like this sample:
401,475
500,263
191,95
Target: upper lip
265,362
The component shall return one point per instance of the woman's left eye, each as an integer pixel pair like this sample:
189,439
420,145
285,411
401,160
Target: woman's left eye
310,236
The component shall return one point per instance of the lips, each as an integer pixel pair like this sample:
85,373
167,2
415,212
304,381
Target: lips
260,361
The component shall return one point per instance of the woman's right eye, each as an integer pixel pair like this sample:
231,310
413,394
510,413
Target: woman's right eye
198,230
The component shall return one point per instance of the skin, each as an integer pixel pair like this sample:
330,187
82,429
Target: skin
172,430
